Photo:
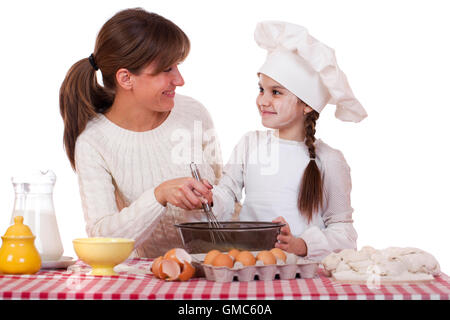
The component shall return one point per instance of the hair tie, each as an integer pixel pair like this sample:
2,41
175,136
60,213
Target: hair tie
92,62
312,159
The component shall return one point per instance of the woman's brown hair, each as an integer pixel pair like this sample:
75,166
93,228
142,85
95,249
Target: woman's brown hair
311,190
131,39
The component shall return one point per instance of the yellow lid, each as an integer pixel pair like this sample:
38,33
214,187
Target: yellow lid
18,229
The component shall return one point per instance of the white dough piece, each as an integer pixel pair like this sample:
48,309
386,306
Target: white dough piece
360,266
342,267
332,261
393,263
422,262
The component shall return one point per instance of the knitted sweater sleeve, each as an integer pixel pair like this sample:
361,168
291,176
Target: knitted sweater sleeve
339,232
103,218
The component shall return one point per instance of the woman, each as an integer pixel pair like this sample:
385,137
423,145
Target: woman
123,138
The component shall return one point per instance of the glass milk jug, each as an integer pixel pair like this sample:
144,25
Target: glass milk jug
34,201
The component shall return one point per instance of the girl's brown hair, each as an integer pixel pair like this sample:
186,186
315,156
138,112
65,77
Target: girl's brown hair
131,39
311,194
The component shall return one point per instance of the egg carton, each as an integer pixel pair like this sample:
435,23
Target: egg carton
294,267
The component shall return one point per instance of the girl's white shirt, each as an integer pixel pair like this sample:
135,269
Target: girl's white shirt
270,170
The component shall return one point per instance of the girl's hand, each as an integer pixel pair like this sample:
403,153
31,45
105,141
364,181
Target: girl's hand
287,242
186,193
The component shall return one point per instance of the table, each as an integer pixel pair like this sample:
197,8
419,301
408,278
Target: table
75,284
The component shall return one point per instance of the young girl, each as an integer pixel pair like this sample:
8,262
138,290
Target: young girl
288,175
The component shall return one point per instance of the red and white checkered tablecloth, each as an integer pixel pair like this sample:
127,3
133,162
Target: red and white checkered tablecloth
141,284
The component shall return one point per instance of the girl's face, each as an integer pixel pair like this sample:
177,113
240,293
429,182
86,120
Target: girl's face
278,107
156,92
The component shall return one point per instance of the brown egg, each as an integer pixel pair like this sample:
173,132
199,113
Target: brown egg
246,258
266,257
223,260
279,254
233,253
210,256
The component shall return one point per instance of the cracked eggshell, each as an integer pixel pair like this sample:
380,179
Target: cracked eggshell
187,272
155,266
169,270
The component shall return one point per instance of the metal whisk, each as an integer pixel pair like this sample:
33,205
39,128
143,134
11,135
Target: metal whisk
213,223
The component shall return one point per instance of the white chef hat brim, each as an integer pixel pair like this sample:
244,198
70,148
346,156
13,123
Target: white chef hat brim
294,73
307,68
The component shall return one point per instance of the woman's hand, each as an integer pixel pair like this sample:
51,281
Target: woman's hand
186,193
289,243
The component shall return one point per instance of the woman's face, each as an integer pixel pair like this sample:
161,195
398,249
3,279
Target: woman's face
278,107
157,92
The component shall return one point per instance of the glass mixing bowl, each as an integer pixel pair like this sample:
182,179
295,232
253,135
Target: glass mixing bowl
198,237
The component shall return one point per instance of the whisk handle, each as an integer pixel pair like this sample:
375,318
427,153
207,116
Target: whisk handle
195,172
196,175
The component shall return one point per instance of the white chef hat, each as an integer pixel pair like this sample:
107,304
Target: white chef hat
307,68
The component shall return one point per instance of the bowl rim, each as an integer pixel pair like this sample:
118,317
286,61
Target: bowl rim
102,240
262,225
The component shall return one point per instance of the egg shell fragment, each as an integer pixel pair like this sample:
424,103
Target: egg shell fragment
174,265
155,267
178,255
187,272
169,269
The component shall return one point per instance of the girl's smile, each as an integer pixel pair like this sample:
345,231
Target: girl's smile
265,113
280,109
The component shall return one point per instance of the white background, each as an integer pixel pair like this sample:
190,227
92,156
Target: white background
394,53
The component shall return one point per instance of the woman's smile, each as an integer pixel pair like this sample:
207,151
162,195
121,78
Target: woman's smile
169,93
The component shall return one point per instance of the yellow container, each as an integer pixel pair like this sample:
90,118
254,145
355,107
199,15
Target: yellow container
103,254
18,255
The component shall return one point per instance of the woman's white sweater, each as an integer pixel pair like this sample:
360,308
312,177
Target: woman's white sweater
118,170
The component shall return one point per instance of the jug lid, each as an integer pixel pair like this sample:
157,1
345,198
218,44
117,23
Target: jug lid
35,177
18,229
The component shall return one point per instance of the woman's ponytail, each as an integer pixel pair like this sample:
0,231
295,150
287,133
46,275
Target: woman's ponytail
310,196
80,99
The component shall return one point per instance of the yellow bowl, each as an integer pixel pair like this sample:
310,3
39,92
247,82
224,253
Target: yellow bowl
103,254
